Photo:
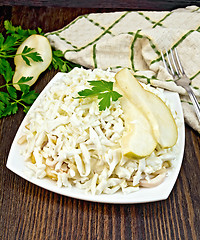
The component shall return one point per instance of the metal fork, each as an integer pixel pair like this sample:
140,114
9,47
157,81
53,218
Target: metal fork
176,70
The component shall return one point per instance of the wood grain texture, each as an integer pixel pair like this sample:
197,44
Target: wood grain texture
128,4
30,212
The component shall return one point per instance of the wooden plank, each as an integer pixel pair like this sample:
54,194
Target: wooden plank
128,4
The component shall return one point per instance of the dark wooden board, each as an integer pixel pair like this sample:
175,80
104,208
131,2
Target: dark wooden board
128,4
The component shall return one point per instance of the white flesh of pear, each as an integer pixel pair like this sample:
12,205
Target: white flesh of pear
136,94
167,126
40,45
155,110
137,140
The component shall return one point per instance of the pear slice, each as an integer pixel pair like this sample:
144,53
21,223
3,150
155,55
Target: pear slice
137,95
138,140
39,44
155,110
167,125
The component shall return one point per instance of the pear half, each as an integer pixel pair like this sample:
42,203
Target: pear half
137,140
155,110
41,45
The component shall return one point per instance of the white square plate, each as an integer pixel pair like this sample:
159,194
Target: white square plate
16,164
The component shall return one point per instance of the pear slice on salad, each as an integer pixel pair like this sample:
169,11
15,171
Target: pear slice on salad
156,111
167,125
138,140
137,95
41,45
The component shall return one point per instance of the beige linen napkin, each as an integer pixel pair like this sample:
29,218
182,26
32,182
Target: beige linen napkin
135,40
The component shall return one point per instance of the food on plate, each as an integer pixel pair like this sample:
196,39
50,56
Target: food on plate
167,125
30,68
156,111
154,181
137,140
71,141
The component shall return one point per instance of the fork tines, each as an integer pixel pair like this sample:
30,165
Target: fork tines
174,68
173,63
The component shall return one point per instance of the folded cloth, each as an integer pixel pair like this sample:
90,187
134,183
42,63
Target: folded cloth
135,40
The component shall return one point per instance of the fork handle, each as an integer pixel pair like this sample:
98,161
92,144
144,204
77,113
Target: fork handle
194,101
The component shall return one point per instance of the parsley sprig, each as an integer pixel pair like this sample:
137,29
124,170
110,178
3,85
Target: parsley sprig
10,98
59,63
8,49
28,53
18,33
103,90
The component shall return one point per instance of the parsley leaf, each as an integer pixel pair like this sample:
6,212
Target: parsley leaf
105,100
103,90
60,63
24,80
27,53
12,91
9,44
2,108
29,97
6,70
1,40
22,84
4,97
11,108
19,33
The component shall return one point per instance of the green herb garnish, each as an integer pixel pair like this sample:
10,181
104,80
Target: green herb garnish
103,90
10,98
8,48
18,33
60,63
28,53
